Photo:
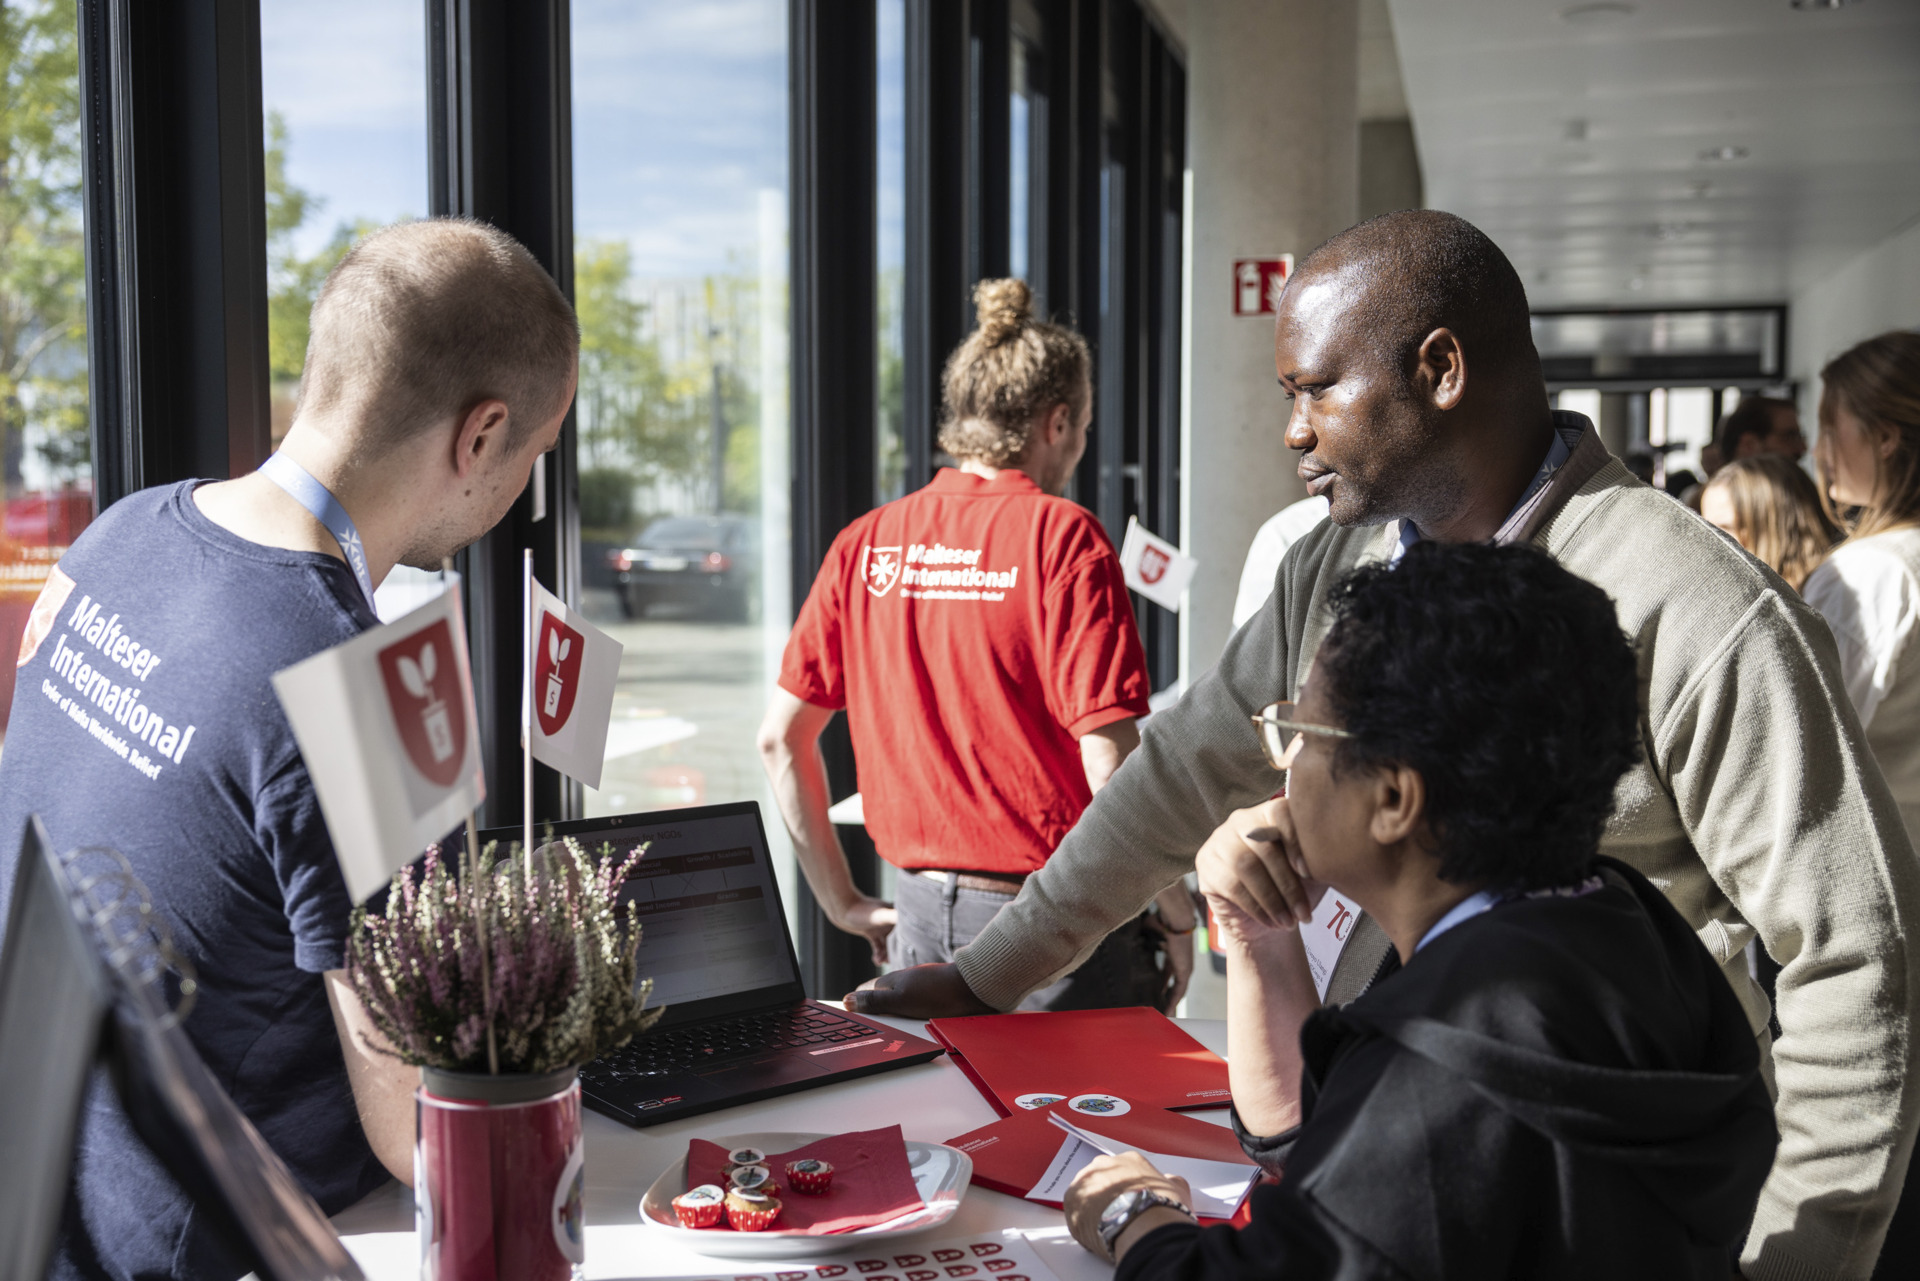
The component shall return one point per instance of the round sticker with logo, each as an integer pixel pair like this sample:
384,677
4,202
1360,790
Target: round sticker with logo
569,1212
1031,1101
1099,1104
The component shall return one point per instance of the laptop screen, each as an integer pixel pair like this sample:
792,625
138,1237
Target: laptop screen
712,925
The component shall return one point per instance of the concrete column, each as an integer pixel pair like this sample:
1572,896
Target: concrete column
1273,141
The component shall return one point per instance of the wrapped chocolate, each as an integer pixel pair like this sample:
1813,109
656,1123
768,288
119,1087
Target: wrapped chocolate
753,1178
751,1211
701,1207
810,1176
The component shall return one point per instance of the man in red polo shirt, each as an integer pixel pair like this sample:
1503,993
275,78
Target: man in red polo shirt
980,637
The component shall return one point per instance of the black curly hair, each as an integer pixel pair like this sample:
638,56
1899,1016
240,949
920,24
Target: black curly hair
1507,683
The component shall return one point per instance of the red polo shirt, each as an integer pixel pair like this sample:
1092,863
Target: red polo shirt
973,631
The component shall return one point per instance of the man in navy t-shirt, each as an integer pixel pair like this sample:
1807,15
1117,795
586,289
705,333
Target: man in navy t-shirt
441,364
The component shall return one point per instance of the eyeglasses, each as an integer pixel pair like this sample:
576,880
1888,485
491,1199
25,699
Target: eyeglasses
1282,737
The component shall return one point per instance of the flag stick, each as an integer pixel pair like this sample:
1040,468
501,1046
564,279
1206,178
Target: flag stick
526,712
471,874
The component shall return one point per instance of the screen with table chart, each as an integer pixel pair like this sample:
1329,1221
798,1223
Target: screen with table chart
710,915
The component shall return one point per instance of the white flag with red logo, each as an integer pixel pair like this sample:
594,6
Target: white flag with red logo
575,667
1154,567
387,726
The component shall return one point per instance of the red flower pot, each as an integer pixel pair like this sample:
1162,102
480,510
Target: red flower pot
498,1176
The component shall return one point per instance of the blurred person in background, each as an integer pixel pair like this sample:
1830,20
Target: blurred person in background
1772,508
1761,425
979,635
1869,588
1269,548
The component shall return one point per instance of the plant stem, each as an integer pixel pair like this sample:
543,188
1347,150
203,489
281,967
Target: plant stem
474,882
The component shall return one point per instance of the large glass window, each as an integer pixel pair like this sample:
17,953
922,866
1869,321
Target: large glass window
44,448
890,252
1027,152
344,87
680,276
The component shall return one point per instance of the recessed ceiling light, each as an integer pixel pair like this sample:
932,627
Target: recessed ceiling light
1725,153
1821,4
1594,14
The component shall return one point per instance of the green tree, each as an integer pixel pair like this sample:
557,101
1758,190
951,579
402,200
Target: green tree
293,281
43,378
632,414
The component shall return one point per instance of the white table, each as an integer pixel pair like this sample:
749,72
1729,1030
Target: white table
932,1102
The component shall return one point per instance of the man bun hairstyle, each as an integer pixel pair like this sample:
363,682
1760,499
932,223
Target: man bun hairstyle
1426,269
1008,373
1507,683
421,321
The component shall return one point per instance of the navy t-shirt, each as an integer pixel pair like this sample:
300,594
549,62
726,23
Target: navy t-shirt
144,719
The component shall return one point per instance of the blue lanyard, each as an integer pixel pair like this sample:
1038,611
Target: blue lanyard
326,509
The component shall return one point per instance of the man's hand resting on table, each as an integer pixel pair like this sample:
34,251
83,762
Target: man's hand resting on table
1095,1187
918,992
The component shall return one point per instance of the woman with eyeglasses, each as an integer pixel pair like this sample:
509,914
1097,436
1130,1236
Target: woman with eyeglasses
1549,1077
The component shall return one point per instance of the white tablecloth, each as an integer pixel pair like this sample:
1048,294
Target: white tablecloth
930,1101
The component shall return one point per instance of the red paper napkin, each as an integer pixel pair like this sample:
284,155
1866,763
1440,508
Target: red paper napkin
872,1181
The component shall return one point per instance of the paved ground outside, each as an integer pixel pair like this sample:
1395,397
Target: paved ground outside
690,698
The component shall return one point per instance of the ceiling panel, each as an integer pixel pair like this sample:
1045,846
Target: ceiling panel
1585,138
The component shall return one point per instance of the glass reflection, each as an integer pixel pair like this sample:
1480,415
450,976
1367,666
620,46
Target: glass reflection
680,182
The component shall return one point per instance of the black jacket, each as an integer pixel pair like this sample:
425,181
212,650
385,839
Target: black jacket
1558,1087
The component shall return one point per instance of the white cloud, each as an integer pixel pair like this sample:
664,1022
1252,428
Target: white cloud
345,62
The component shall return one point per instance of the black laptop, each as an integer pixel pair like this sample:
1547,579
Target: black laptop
714,940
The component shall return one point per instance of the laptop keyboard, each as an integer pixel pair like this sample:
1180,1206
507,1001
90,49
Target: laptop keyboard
678,1049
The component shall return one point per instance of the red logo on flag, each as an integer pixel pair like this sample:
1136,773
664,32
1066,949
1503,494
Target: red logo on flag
1153,564
556,673
423,690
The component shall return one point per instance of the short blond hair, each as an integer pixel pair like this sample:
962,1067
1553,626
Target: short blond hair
421,321
1009,371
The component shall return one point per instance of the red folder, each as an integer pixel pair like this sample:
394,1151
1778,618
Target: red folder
1010,1155
1136,1053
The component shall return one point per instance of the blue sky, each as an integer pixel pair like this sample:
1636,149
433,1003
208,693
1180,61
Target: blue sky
679,118
350,77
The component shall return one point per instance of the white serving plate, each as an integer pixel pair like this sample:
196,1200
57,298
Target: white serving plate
940,1173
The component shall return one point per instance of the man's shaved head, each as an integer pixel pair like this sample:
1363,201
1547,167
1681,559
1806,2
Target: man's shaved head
1420,270
1405,346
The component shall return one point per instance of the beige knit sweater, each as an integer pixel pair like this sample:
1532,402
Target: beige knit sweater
1758,809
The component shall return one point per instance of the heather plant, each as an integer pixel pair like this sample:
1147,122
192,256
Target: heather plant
534,954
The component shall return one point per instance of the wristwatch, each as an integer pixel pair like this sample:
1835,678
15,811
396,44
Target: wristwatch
1128,1206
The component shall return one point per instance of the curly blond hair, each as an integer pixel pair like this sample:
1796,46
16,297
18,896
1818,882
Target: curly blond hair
1007,375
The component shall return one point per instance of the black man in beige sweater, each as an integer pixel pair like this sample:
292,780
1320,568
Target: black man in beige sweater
1420,412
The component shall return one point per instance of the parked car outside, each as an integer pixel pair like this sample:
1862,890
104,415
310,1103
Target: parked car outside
707,562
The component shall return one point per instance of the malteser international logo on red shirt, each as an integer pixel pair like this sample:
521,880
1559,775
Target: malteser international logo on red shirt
880,568
556,676
423,692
